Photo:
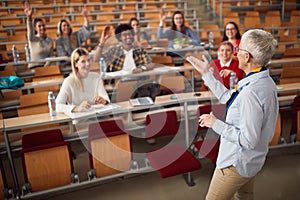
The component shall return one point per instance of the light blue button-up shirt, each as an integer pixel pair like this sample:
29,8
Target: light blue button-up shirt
250,122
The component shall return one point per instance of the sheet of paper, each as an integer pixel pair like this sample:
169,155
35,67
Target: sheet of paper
94,110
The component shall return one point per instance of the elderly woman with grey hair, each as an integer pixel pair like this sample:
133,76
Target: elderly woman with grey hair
250,120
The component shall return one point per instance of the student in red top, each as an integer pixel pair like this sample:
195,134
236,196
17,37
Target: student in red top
233,35
225,65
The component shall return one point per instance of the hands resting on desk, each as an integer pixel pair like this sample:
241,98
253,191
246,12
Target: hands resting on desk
86,104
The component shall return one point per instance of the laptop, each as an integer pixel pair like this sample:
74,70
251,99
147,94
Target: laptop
141,101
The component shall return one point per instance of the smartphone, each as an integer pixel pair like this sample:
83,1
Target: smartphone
197,94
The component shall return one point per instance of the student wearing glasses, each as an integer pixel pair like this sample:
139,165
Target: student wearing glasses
124,56
41,45
81,88
250,118
232,34
177,30
225,65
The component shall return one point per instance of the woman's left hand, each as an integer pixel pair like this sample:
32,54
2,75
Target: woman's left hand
99,100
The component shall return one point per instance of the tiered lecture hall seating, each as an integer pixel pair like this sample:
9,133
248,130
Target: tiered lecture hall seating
294,20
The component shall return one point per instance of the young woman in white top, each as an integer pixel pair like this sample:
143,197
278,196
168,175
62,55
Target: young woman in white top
81,88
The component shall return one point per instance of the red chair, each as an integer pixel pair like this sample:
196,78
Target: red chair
109,149
172,159
47,161
209,147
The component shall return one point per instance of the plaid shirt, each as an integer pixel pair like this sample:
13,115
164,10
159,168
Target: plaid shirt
115,57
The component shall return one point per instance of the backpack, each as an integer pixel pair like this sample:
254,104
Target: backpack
10,82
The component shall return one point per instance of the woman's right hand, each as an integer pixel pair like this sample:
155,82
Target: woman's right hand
27,9
82,107
162,15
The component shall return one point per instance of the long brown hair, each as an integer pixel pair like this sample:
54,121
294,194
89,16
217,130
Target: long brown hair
59,31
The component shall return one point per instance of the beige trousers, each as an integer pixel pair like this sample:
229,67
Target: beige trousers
227,184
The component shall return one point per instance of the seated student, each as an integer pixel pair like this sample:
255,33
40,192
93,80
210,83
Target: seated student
140,37
125,55
81,88
68,40
223,67
233,35
41,45
177,30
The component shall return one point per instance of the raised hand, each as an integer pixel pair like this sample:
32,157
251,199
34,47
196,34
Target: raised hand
162,15
84,11
201,65
27,9
105,34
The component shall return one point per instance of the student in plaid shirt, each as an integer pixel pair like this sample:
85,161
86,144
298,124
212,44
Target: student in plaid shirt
123,56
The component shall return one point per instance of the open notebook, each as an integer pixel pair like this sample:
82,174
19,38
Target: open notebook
141,101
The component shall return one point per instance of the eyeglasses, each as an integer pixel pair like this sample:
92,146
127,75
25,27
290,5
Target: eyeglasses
239,49
230,29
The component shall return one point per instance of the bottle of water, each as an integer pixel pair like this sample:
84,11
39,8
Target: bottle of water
51,104
27,52
15,53
102,66
232,81
211,39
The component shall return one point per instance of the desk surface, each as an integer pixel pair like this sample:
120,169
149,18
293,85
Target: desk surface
286,60
289,87
34,120
124,107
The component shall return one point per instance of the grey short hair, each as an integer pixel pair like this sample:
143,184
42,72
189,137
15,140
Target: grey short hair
260,44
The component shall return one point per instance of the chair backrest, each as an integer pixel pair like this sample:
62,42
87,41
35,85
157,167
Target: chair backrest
290,75
165,60
161,124
172,84
124,90
47,73
34,103
109,148
41,153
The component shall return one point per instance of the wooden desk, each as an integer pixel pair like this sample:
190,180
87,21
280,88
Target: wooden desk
290,87
285,60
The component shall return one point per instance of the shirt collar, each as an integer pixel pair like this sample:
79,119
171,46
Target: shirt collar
252,79
225,64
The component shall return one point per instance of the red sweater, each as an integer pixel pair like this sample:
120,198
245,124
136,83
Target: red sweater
234,66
